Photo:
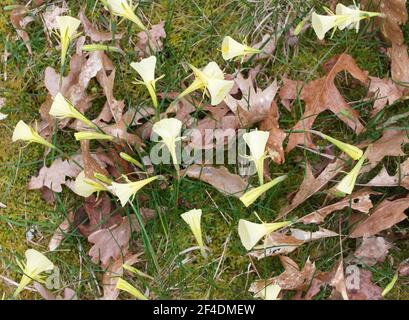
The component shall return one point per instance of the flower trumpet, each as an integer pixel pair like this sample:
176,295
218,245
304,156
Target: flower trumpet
24,132
124,9
84,186
257,141
211,81
250,196
232,49
146,69
36,263
193,218
124,191
67,31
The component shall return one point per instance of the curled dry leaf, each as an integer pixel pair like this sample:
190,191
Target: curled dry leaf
386,214
291,279
306,236
311,185
220,178
359,201
61,232
151,41
321,95
95,35
372,250
19,23
115,271
338,281
384,92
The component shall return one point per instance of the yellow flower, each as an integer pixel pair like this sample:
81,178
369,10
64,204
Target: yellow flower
89,135
24,132
127,287
146,69
211,80
62,109
250,233
270,292
67,31
124,9
257,141
36,263
250,196
192,218
353,16
347,184
352,151
231,49
124,191
84,186
169,130
130,159
136,271
322,24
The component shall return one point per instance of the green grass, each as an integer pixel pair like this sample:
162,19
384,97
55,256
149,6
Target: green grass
194,33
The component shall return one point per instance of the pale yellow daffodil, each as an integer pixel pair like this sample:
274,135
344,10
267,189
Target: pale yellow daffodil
232,49
84,186
67,31
322,24
146,69
354,16
124,9
35,264
257,141
250,196
193,219
347,184
250,233
352,151
127,287
211,81
89,135
23,132
169,130
63,109
124,191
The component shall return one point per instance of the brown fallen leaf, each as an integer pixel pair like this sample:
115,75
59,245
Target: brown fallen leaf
267,44
220,178
151,41
291,279
372,250
95,35
91,165
115,271
17,20
400,65
69,294
321,95
386,214
401,178
338,281
359,201
384,92
367,290
61,232
403,268
307,236
311,184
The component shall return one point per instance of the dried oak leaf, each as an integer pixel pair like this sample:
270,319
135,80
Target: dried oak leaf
321,95
69,294
55,176
291,279
220,178
91,165
400,65
151,41
115,271
367,290
401,178
372,250
359,201
338,281
95,35
17,20
386,214
384,92
311,184
61,232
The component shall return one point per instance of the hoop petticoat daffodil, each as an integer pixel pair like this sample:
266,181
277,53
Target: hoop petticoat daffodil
63,109
124,191
232,49
124,9
146,69
250,196
84,186
347,184
352,151
250,233
193,219
67,31
89,135
169,130
257,141
35,264
354,16
127,287
211,80
24,132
